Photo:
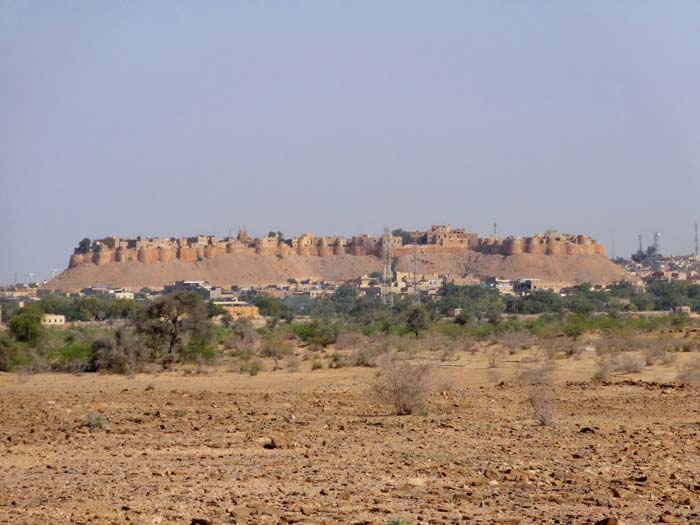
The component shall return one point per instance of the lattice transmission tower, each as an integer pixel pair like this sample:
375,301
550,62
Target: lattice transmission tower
387,296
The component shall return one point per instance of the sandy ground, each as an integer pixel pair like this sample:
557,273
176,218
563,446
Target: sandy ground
178,448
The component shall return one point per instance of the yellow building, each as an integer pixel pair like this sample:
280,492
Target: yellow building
53,320
239,309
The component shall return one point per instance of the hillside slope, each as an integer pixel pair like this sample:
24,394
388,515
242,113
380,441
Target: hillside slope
251,269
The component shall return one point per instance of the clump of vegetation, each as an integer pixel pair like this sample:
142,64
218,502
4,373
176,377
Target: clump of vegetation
403,384
690,374
94,421
252,367
541,399
536,375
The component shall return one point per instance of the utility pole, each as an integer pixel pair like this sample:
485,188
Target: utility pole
387,297
416,295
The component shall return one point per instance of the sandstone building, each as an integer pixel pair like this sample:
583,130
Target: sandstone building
437,239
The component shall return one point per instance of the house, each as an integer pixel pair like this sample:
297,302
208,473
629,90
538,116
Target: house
53,320
238,309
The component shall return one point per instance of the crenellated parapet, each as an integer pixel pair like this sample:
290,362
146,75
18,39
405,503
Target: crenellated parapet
438,239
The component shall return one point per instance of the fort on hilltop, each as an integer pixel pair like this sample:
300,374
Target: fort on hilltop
439,239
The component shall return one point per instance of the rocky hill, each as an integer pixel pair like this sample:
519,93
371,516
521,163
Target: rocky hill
249,268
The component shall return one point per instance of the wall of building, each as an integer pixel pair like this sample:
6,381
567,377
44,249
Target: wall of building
439,239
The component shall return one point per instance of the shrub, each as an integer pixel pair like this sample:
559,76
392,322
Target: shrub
26,326
630,364
493,355
538,375
121,353
253,367
656,354
691,373
276,346
293,363
73,357
603,369
514,341
337,361
94,421
11,353
541,399
403,384
316,364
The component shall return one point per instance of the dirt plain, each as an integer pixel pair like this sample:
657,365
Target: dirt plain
317,447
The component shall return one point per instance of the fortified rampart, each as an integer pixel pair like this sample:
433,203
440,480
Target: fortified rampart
438,239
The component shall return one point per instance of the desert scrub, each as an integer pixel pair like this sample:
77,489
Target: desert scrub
403,385
94,421
541,399
690,374
252,367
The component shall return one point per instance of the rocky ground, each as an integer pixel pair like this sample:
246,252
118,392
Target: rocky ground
317,448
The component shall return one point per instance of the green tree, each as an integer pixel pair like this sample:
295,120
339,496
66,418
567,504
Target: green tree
84,245
417,320
276,346
174,322
26,327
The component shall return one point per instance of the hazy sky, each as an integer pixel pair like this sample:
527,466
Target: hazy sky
180,118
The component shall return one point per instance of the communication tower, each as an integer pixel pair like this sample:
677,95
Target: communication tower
387,297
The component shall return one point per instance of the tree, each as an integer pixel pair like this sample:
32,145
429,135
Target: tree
173,322
406,237
276,346
26,327
84,245
417,320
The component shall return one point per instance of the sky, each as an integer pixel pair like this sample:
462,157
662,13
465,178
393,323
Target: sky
181,118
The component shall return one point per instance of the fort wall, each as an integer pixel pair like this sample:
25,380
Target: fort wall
439,239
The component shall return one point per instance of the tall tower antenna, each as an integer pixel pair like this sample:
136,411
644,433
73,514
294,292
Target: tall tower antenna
697,251
387,297
495,229
639,238
657,243
416,295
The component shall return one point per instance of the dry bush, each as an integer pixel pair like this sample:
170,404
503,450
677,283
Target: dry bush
493,356
514,341
437,343
293,363
656,354
603,369
252,366
541,399
690,374
468,344
403,384
94,421
350,341
552,346
536,375
630,364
